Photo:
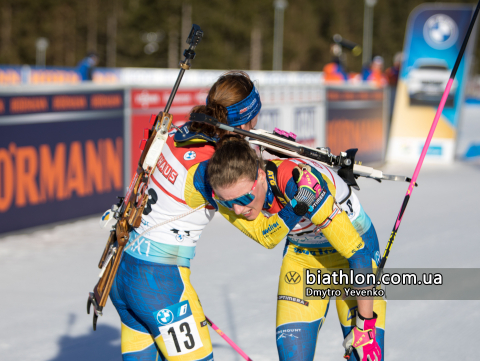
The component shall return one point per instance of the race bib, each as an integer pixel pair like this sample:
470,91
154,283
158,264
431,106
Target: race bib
178,329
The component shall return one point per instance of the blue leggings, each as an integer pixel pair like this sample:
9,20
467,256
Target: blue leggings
161,315
299,321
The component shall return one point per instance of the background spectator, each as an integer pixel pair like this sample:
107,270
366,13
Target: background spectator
87,65
334,72
374,72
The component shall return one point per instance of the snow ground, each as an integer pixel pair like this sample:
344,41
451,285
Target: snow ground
46,274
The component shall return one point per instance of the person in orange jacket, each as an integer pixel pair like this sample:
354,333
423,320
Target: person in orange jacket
334,72
374,73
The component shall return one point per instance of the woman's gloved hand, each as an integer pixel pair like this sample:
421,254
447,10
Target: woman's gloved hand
309,189
362,338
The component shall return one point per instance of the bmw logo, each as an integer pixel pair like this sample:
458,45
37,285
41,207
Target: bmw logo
165,316
440,31
190,155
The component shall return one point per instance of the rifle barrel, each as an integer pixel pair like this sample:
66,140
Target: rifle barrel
174,91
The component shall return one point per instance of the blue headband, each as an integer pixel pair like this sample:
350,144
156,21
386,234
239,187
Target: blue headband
245,110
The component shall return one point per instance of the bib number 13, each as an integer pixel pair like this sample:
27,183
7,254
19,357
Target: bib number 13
181,337
184,327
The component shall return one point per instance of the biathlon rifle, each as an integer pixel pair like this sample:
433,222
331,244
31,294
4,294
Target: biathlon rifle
127,213
344,164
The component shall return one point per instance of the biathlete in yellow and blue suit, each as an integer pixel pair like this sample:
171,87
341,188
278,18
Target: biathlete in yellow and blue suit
268,204
161,315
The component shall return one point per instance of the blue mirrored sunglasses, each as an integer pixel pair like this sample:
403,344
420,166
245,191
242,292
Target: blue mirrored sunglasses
243,200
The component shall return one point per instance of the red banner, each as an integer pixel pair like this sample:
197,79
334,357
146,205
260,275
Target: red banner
145,102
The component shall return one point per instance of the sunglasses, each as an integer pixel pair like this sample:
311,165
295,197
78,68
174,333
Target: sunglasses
243,200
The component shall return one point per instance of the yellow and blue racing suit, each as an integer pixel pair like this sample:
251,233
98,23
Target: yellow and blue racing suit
349,240
161,315
160,312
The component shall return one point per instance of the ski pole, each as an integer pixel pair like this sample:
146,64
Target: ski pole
427,143
424,152
226,338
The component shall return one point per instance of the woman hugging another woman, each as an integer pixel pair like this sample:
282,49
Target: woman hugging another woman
325,226
160,312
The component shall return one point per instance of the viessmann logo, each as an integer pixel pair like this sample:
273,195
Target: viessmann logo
146,99
292,278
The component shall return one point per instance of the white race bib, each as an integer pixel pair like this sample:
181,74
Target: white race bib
178,329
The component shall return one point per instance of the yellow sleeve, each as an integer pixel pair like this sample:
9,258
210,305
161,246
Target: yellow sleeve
270,231
340,233
193,197
267,231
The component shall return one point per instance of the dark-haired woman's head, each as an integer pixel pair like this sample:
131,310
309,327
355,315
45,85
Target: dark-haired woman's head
232,100
237,176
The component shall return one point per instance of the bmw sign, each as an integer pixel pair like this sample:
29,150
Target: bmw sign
440,31
165,316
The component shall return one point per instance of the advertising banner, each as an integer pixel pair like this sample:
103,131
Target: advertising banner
106,75
16,75
148,77
52,103
145,102
297,109
468,140
434,35
61,156
10,75
306,121
356,118
304,126
51,75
